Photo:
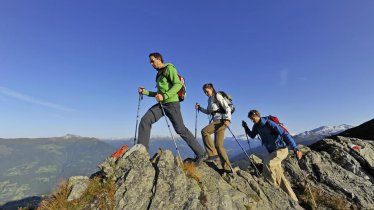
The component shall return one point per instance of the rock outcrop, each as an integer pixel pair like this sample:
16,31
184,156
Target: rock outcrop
338,173
160,183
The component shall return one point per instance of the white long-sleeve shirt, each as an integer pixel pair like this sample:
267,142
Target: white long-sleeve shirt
213,106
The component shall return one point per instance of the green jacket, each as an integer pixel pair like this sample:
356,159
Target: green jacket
167,83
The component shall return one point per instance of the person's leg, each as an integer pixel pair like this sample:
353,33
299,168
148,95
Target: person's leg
286,186
270,166
266,169
172,110
274,173
219,138
151,116
208,143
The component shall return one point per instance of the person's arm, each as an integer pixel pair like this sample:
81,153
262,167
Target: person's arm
286,136
149,93
206,111
172,75
250,133
203,110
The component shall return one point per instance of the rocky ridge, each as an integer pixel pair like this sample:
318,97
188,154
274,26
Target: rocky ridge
160,183
338,171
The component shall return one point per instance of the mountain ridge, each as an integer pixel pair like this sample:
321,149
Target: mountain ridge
32,167
339,176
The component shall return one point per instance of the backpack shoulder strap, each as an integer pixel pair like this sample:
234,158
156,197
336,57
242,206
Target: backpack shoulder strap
267,124
220,107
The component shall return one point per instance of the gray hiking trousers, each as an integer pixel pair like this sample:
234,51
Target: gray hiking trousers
173,112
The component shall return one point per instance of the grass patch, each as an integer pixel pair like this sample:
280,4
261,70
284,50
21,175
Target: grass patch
99,193
102,193
58,200
190,170
323,199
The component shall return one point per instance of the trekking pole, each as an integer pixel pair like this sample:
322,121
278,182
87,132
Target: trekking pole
171,134
249,145
196,123
137,116
257,172
307,183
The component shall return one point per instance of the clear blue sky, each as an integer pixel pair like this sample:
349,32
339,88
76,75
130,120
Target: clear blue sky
74,66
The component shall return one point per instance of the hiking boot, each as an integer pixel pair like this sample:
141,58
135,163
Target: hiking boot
201,159
223,171
211,159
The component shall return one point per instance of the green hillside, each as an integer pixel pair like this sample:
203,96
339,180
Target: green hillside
32,167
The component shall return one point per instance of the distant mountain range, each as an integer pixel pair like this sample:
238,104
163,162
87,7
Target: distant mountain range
32,167
312,136
363,131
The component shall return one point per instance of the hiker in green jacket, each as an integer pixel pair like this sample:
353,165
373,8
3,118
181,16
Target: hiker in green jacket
220,112
168,85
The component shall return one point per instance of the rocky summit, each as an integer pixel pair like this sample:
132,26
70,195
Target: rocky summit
161,183
335,173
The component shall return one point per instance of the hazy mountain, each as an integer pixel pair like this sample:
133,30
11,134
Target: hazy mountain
312,136
363,131
34,166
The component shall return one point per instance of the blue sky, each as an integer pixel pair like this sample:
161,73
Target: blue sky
74,66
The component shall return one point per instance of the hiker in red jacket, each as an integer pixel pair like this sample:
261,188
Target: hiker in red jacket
275,139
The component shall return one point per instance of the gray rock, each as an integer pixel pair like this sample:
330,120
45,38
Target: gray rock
331,169
173,189
135,177
263,195
77,186
217,193
343,181
253,166
334,172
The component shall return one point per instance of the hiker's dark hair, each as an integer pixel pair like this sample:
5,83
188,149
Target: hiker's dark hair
210,86
157,56
253,112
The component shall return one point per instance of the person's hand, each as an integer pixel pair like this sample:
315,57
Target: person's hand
299,154
227,123
140,90
197,106
244,124
159,97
